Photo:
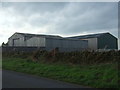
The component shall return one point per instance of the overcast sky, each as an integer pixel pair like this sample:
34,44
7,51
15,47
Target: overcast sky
58,18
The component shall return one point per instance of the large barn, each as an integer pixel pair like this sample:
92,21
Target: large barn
99,41
48,41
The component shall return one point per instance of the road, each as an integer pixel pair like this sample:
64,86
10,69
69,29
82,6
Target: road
11,79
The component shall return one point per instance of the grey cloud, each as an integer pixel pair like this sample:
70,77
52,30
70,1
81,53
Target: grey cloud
93,17
68,18
29,8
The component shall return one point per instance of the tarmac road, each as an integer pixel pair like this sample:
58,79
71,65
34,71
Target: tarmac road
11,79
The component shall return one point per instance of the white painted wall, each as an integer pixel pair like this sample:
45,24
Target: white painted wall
36,41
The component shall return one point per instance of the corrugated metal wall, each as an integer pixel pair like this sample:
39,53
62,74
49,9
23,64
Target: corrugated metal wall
66,44
118,43
49,43
16,40
36,41
107,41
92,43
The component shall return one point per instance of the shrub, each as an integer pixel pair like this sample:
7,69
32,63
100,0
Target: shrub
82,57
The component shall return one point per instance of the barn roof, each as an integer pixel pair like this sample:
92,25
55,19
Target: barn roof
89,36
37,35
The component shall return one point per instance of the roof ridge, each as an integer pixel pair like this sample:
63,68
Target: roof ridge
90,34
36,34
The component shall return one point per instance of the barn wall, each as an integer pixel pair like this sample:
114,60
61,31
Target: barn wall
52,43
118,43
16,40
107,41
92,43
36,41
66,44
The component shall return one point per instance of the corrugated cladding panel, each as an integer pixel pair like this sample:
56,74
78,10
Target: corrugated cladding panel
107,41
118,43
52,43
16,40
92,43
36,41
66,44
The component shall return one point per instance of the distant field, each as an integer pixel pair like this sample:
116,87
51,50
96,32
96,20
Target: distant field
97,75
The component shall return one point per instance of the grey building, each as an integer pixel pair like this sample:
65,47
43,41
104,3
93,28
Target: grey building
99,41
48,41
21,39
65,44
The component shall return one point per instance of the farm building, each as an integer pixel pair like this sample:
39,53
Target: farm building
49,42
99,41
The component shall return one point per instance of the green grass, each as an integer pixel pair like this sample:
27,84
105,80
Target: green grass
98,76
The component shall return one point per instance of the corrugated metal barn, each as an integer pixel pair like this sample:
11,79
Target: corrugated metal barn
99,41
48,41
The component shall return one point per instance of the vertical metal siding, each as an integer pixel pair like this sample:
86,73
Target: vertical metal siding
107,41
92,43
66,44
36,41
49,43
118,43
16,40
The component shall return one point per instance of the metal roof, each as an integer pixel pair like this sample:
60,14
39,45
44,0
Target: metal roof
89,36
47,36
38,35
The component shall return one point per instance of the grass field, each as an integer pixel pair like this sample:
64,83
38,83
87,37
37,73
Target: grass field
98,75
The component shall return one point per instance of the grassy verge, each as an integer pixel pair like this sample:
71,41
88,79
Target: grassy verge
98,76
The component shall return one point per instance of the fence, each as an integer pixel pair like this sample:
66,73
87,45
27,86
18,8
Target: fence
21,48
